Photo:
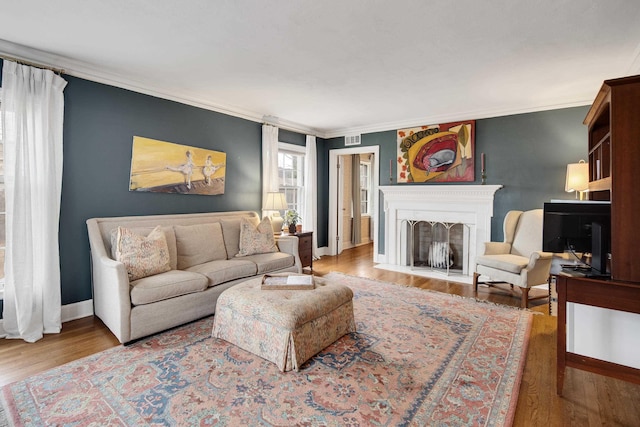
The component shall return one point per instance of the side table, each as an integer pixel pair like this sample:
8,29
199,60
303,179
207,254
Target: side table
305,248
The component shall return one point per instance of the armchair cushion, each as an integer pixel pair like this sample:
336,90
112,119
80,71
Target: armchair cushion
507,262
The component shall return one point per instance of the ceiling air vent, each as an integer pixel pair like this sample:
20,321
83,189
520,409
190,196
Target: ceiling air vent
351,140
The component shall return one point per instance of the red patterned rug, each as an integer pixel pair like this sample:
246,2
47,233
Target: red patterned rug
418,358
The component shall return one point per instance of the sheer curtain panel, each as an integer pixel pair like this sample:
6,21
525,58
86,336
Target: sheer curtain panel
310,213
270,181
32,114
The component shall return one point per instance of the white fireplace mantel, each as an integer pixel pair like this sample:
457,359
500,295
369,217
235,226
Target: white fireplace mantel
471,205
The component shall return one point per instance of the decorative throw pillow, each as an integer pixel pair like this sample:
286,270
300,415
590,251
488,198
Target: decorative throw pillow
256,240
142,256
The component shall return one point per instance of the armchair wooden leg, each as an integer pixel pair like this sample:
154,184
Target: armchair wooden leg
475,283
524,303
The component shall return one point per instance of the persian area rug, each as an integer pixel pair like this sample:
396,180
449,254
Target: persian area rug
418,358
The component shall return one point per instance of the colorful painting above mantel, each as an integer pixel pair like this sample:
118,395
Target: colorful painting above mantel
437,153
164,167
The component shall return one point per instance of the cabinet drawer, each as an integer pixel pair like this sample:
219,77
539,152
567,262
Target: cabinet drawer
305,242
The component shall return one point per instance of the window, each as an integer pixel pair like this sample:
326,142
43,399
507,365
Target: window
291,174
365,188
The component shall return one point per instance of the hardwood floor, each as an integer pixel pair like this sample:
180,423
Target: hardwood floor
588,400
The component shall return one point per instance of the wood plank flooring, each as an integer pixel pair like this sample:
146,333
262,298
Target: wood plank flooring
588,400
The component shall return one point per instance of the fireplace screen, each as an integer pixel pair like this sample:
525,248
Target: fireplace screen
436,245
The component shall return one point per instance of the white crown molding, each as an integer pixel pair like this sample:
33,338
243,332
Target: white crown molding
88,72
442,118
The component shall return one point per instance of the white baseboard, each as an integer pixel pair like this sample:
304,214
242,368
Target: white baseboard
380,258
323,251
76,310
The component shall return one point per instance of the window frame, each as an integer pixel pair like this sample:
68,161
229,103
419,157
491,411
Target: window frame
365,201
300,151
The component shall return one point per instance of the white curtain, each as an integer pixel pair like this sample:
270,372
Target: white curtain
269,161
310,214
32,115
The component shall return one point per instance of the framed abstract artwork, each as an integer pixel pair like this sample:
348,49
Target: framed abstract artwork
164,167
437,153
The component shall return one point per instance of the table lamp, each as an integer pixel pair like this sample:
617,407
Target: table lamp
275,202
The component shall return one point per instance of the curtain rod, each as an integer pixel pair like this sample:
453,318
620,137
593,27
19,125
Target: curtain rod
32,64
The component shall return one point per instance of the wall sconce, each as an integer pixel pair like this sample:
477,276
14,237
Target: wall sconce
275,202
577,178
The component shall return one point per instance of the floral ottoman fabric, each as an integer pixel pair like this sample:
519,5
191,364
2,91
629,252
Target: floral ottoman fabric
286,327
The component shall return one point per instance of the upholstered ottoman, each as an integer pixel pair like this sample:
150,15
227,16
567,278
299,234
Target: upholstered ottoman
285,327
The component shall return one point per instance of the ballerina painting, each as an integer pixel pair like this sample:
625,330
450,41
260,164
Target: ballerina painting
164,167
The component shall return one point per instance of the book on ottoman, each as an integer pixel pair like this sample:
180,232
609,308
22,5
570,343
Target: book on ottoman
287,282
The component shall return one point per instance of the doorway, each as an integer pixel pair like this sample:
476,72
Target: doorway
340,200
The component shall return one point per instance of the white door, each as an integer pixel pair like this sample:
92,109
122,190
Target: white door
336,217
346,201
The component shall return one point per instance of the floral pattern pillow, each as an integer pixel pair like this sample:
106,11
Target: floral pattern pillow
256,240
142,256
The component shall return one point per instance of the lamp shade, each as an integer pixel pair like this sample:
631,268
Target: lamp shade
275,202
577,177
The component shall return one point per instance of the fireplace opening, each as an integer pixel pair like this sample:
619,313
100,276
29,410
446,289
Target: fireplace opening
437,246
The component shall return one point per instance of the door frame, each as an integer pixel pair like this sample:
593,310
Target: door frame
334,192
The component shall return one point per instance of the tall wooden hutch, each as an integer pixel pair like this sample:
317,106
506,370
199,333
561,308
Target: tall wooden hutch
614,174
614,169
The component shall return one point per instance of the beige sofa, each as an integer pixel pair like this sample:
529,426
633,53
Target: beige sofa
188,291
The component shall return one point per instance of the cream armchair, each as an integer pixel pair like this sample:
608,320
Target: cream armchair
518,260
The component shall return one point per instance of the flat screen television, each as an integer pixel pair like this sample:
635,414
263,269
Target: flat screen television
580,226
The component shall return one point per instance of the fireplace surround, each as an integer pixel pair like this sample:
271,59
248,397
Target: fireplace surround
469,205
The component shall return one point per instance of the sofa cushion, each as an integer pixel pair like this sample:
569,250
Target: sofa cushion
256,240
142,255
271,262
144,231
198,244
231,233
166,285
222,271
506,262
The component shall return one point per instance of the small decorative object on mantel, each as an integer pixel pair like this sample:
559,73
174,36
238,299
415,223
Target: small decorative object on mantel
483,170
287,282
292,218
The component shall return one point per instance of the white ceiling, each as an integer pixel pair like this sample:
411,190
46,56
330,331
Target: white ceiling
336,67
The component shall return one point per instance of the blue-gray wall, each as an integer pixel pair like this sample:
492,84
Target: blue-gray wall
100,122
526,153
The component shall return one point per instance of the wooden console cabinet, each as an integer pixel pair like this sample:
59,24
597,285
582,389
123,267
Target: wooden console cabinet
597,293
614,151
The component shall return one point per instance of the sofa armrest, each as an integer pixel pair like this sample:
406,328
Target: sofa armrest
496,248
111,291
289,244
